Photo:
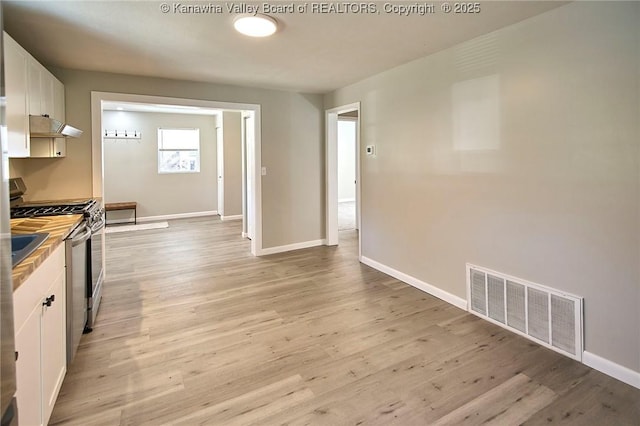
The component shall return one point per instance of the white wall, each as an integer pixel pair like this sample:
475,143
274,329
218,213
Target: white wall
518,151
131,165
347,160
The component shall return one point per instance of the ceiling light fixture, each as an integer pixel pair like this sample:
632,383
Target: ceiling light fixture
258,25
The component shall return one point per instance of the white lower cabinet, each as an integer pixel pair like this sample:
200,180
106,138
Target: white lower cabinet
54,346
40,315
28,370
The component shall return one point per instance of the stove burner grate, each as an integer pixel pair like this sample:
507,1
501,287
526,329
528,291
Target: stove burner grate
85,209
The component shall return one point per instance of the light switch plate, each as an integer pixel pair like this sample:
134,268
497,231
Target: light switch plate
370,150
264,171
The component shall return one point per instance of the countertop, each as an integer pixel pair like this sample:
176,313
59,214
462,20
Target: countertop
58,228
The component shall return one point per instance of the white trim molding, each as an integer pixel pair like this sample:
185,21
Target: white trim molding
233,217
290,247
331,172
415,282
612,369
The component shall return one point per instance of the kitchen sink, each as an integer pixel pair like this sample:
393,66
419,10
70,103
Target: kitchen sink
22,245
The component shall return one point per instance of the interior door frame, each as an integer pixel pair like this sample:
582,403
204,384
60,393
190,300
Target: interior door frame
97,154
331,132
220,164
248,156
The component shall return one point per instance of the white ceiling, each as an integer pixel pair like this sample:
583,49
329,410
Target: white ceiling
311,52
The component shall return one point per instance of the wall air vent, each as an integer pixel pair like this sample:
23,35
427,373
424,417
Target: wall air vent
544,315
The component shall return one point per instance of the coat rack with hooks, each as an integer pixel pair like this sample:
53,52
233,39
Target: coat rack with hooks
122,134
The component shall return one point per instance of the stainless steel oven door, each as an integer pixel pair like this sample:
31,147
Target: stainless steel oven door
94,288
76,260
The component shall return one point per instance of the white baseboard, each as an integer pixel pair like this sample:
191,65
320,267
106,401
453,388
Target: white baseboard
415,282
596,362
233,217
165,217
289,247
612,369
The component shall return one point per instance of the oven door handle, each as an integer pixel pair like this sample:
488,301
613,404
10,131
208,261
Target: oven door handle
77,240
97,226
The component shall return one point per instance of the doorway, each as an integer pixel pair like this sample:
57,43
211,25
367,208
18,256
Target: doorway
248,173
347,136
341,120
231,180
254,218
220,168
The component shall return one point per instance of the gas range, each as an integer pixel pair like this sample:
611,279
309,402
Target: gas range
52,209
90,208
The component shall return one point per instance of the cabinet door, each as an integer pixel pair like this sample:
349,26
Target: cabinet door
28,369
47,90
59,144
41,89
41,148
59,147
16,87
54,353
40,339
35,92
58,101
48,148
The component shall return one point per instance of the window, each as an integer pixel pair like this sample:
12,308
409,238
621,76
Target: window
178,150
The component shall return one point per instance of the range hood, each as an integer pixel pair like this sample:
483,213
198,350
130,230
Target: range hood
42,126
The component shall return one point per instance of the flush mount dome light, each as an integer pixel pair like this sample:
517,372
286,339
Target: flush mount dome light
255,25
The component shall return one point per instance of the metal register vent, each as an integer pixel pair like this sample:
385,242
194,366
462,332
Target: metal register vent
544,315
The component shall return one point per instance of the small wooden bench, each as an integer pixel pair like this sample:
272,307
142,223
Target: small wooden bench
127,205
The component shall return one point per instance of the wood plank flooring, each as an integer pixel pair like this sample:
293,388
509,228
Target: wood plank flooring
194,330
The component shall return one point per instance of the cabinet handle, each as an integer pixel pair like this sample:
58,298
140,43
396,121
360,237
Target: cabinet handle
49,300
58,153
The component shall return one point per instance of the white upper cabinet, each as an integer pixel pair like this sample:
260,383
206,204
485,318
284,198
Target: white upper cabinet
30,90
16,92
33,75
42,90
58,101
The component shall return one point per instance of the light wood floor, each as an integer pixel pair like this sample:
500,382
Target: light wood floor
193,330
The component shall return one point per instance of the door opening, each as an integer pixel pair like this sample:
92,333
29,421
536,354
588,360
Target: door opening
254,216
248,173
347,135
220,168
333,117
